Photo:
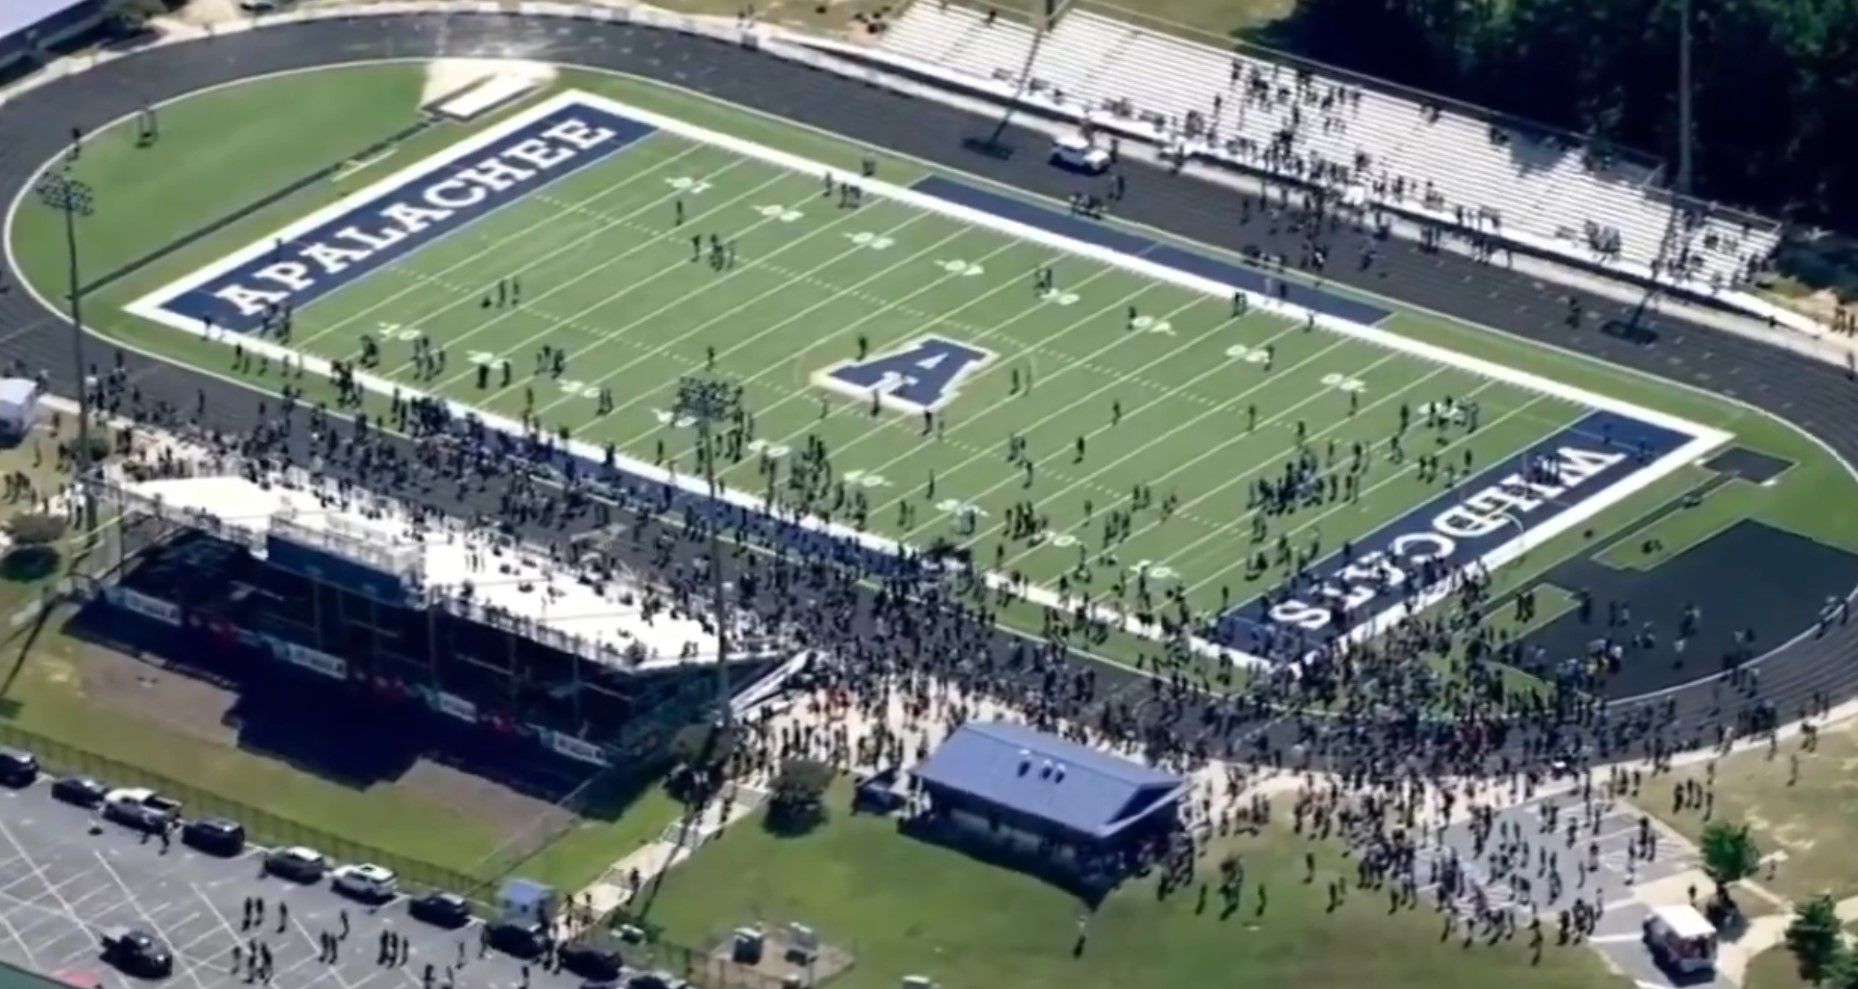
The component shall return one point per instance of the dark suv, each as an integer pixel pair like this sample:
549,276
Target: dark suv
18,768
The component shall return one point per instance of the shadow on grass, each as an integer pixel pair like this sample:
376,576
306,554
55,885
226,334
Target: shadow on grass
286,714
1091,891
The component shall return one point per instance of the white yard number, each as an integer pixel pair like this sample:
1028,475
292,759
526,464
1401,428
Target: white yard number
876,242
483,358
1149,324
666,417
580,389
1157,571
1343,382
784,214
395,331
961,269
1057,298
866,479
955,506
1250,355
773,451
688,185
1064,540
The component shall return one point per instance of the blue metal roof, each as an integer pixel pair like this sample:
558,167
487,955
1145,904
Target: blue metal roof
1031,772
19,16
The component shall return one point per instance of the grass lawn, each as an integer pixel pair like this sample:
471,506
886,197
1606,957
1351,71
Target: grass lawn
1812,824
905,907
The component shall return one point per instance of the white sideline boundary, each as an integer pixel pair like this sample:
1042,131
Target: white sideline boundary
1703,438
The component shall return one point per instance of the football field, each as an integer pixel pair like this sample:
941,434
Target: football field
1088,423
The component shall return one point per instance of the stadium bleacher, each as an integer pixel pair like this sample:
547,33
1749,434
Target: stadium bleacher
1371,145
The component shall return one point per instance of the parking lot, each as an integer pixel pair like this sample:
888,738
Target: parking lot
66,875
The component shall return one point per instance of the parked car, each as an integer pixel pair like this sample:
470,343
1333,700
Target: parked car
518,940
447,910
84,791
305,865
365,880
1079,155
137,952
141,808
215,835
18,768
595,959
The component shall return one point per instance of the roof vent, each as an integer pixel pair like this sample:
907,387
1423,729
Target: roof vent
1025,761
1058,773
1045,771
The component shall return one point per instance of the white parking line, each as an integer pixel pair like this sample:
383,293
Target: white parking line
130,898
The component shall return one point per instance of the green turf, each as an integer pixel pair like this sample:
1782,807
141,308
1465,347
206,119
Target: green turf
609,279
904,907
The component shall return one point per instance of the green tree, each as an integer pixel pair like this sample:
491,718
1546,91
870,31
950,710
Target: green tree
797,800
1814,938
1843,972
32,552
1729,855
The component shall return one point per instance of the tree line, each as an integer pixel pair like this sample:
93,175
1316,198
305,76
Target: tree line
1775,82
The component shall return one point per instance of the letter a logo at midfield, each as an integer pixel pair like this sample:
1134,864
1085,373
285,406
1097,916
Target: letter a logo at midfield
920,378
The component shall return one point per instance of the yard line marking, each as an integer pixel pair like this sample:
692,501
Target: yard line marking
843,293
557,323
499,243
1216,448
1399,472
1037,306
613,373
682,300
1228,406
852,290
993,367
554,324
1172,353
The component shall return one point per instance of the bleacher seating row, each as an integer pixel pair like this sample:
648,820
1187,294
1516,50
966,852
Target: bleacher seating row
1370,145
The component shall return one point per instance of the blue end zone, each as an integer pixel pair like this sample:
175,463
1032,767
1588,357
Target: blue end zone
1101,234
437,201
1429,544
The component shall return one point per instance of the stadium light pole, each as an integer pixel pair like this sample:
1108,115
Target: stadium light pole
705,401
74,198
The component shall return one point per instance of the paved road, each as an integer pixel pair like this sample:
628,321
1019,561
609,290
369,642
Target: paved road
1564,856
65,875
1810,393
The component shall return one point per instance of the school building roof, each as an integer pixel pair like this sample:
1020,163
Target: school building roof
1037,775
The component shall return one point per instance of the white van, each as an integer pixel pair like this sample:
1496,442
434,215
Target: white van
1682,940
1078,154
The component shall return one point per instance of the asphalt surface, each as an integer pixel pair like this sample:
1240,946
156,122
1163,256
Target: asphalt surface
1593,862
66,876
1814,395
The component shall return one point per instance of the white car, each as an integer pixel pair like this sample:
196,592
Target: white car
365,880
139,807
1078,154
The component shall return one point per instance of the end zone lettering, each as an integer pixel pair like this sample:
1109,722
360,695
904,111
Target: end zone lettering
404,213
1508,501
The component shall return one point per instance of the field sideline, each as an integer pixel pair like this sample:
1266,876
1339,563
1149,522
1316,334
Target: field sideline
1149,353
624,300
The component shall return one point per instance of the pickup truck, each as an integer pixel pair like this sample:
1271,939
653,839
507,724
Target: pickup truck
141,808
